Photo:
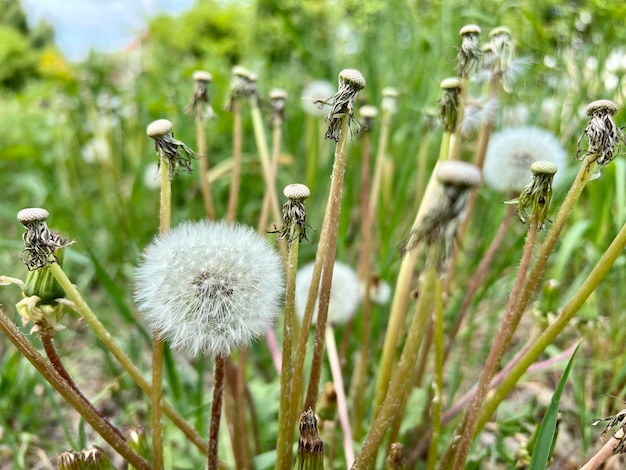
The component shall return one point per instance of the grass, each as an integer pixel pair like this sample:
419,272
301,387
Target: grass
105,206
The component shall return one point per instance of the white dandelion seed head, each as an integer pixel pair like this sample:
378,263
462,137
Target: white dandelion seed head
513,150
379,292
320,90
345,293
208,287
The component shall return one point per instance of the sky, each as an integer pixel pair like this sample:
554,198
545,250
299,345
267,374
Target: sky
104,25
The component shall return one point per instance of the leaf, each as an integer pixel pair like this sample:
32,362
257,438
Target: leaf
547,429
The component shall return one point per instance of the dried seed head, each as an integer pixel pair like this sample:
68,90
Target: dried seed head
296,191
32,215
500,31
603,135
310,446
389,92
543,168
389,102
202,76
601,107
240,71
159,128
449,103
469,30
294,214
350,83
353,78
537,195
175,152
278,94
368,112
503,48
450,83
458,173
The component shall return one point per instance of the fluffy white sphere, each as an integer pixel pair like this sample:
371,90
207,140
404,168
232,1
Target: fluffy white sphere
208,287
511,152
345,293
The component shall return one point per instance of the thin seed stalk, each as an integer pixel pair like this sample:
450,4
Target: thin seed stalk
508,325
69,394
276,139
285,426
127,364
331,221
268,175
402,291
216,413
157,343
437,396
403,375
233,197
205,184
537,347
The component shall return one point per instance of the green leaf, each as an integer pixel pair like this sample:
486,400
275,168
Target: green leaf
547,429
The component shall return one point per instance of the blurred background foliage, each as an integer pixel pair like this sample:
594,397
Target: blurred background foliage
72,138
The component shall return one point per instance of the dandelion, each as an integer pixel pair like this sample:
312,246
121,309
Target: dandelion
242,85
315,95
449,103
538,193
389,103
469,54
294,214
200,102
350,83
367,113
278,98
208,287
345,292
513,150
602,133
175,152
40,244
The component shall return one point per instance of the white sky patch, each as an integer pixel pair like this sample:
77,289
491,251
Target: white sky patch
103,25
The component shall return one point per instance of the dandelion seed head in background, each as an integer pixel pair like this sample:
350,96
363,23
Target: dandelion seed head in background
208,287
513,150
345,293
315,92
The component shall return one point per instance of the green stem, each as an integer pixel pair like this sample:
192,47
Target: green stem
510,320
331,221
437,396
127,364
205,183
233,197
69,394
285,427
276,139
403,376
556,327
402,292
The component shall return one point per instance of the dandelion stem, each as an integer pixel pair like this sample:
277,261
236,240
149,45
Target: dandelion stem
606,451
216,412
285,426
127,364
267,202
69,394
510,320
46,335
403,375
233,197
437,396
205,183
402,292
548,336
331,223
342,406
266,166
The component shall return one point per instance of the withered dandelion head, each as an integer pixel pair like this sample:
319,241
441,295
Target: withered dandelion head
168,149
278,98
437,230
209,287
449,102
389,104
469,53
537,195
242,85
294,214
200,102
503,48
367,114
40,244
351,82
603,136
